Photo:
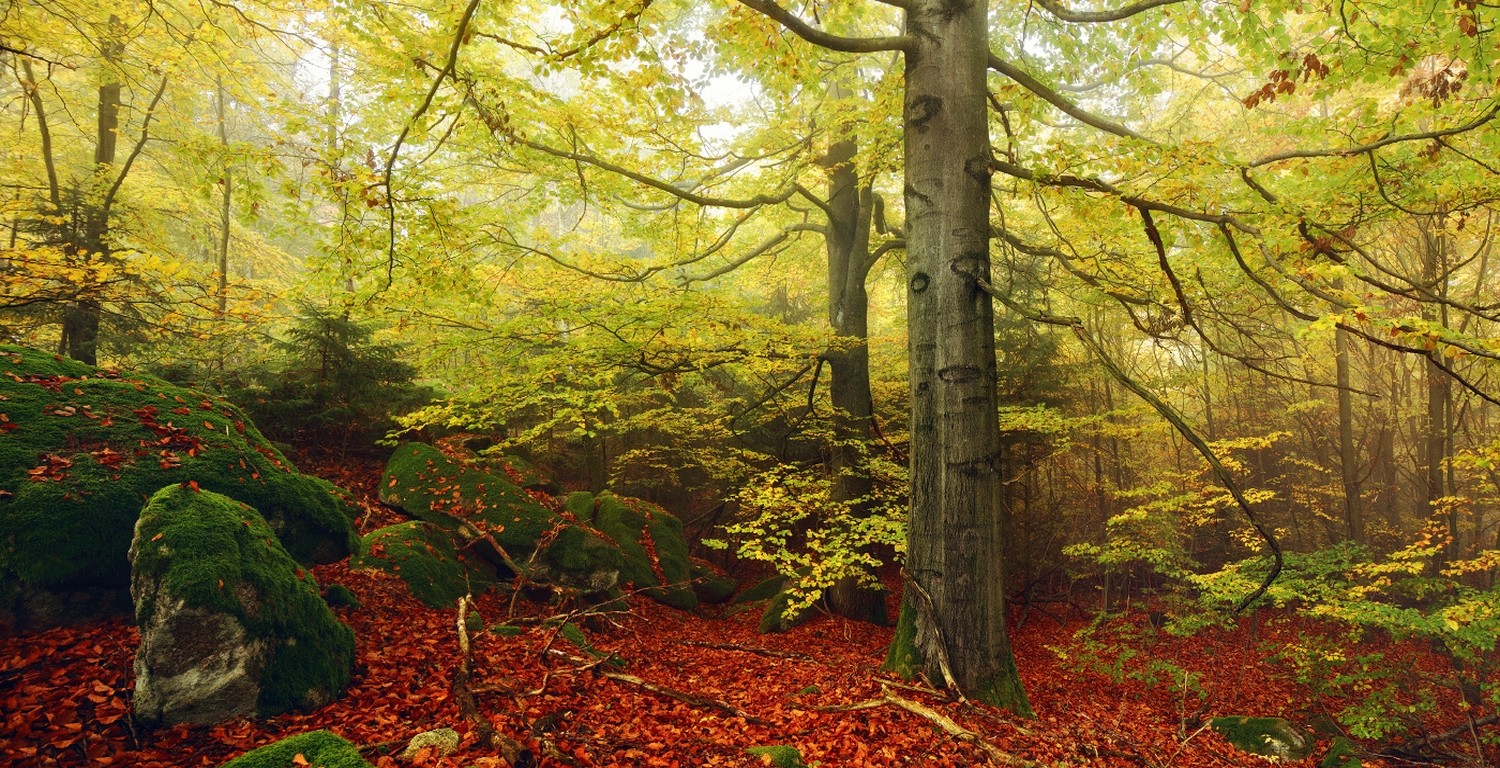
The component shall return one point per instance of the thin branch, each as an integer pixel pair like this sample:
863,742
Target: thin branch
459,35
1172,417
135,152
1483,118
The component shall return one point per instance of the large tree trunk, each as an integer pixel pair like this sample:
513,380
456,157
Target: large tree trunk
848,246
954,605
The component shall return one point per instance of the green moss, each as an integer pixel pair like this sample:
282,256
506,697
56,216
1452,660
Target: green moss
320,749
1341,754
764,590
446,492
778,619
709,585
217,554
1270,737
902,659
654,547
508,630
434,487
86,447
781,756
422,554
340,596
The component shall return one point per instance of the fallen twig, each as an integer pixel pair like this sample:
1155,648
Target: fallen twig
937,718
687,698
748,649
508,748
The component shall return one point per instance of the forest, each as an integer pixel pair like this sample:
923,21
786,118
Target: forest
507,383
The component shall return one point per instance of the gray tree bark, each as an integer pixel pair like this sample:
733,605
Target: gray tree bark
953,617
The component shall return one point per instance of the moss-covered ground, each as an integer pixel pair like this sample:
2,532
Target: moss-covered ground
213,552
316,748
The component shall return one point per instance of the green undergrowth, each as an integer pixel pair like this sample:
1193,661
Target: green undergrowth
81,449
217,554
319,749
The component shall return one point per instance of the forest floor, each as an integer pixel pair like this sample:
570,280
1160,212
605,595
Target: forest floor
694,690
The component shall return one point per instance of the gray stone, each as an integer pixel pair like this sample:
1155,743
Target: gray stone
443,741
196,666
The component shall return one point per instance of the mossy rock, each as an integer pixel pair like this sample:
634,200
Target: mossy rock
83,448
1270,737
1342,753
778,617
203,555
709,585
340,596
651,540
777,756
520,471
320,749
763,590
422,554
449,493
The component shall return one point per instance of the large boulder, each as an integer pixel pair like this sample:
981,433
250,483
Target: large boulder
651,540
80,451
321,749
472,503
422,554
230,624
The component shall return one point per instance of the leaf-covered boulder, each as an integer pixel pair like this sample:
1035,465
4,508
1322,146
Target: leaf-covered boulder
422,554
317,748
82,448
651,540
230,624
471,502
1270,737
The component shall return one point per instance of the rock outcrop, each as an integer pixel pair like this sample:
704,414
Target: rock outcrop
230,624
83,448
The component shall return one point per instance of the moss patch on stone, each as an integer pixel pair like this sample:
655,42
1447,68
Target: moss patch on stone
450,493
653,544
318,748
709,585
82,448
340,596
763,590
1270,737
422,554
215,553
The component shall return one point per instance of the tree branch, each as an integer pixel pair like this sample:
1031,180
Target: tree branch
1025,80
822,39
135,151
1093,17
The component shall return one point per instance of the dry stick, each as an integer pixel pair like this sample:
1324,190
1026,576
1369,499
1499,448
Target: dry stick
748,649
936,718
687,698
467,706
